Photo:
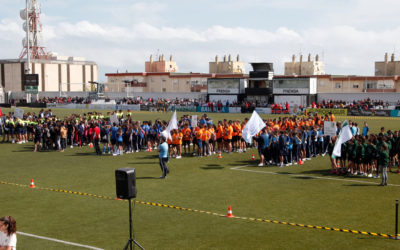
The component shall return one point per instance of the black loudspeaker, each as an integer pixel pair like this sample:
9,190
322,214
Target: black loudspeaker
125,183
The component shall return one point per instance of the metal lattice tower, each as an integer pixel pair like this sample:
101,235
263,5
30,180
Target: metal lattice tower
33,28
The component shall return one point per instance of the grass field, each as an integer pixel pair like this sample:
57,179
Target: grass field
297,194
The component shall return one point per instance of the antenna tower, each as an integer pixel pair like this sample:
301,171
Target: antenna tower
32,48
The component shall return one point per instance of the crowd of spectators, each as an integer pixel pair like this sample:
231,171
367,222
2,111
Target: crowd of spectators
365,104
356,104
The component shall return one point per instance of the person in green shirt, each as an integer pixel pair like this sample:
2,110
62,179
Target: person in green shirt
383,162
370,152
344,155
351,152
331,146
360,153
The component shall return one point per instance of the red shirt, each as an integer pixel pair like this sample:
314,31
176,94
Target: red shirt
97,131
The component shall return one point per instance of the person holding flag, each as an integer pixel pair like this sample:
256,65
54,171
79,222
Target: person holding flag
252,127
344,136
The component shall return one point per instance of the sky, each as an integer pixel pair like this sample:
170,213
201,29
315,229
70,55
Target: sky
348,35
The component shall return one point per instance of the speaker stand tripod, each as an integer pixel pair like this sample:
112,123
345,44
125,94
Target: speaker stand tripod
131,240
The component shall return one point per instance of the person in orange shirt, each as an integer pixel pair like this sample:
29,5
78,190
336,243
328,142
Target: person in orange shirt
211,142
199,135
237,130
228,136
187,134
219,136
205,137
234,136
177,143
174,142
332,117
194,140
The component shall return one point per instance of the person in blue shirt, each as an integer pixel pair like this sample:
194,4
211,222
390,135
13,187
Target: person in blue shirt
113,139
283,147
290,148
274,148
297,147
304,142
163,157
119,142
320,142
262,144
365,129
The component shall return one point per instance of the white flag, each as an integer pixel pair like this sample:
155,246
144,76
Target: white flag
173,124
252,127
344,136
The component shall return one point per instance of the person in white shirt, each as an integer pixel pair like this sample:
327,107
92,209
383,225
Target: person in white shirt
8,233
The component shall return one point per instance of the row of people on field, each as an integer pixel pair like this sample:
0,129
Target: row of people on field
284,141
362,155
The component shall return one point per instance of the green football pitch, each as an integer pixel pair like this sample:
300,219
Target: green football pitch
294,207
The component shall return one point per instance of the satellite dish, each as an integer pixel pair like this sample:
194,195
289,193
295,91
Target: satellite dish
22,14
25,27
24,42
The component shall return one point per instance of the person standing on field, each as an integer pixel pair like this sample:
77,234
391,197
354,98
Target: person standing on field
383,162
163,157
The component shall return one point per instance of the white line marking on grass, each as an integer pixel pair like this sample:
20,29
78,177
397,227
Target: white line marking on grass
240,168
59,241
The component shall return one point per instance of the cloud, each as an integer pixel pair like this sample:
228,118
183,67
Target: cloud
345,49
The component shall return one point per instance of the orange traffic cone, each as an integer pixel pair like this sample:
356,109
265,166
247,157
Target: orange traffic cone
90,145
118,199
253,157
220,155
300,162
230,214
32,184
149,150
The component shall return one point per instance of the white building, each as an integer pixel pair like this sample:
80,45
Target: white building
56,74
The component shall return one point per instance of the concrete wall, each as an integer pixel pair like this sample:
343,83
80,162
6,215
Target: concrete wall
12,77
227,67
51,74
63,79
387,68
304,68
156,83
75,80
332,85
51,77
161,66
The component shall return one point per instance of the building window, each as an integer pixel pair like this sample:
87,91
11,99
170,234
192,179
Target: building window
355,86
164,90
175,81
338,85
371,85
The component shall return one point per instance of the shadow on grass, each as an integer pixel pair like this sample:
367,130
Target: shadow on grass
149,157
323,172
242,163
143,163
85,154
23,150
304,177
212,166
361,185
148,178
